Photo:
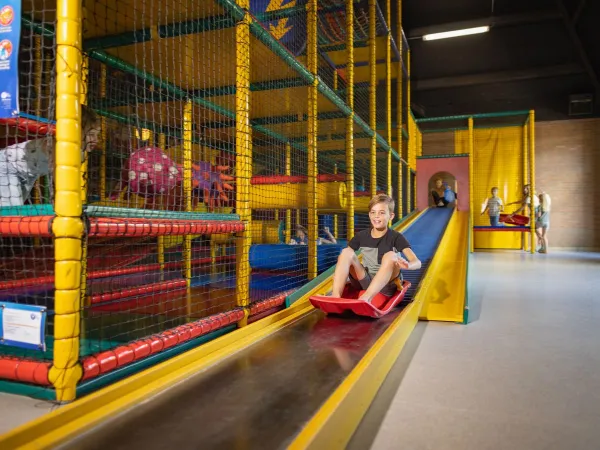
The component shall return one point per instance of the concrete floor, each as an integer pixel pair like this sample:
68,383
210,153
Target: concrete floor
525,374
16,410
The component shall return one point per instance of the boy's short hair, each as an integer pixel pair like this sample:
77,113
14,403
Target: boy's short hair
494,188
88,118
383,198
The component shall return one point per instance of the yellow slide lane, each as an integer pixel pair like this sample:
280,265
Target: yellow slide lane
446,288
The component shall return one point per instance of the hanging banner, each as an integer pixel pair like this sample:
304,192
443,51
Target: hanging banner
10,33
290,31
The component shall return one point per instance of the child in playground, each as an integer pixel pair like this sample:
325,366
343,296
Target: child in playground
442,194
382,251
301,237
542,222
525,202
540,212
494,207
23,163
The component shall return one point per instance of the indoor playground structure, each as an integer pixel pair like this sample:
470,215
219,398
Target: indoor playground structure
162,254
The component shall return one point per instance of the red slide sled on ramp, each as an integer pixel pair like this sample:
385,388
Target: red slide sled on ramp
379,306
514,220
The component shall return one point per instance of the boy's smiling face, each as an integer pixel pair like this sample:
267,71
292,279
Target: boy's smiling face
380,216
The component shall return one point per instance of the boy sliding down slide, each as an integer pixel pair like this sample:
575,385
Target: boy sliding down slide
381,249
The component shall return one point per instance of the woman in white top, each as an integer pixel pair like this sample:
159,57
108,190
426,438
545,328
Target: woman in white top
526,202
23,163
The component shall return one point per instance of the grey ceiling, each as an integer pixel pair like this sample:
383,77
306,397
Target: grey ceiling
537,53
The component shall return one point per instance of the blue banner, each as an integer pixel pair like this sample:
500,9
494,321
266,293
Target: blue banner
10,34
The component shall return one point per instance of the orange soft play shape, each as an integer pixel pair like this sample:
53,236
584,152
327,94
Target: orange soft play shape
379,306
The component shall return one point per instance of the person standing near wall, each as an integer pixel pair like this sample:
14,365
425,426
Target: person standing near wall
542,222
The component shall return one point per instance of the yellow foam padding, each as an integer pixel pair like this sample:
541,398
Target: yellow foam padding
361,204
498,162
413,131
446,292
263,232
330,196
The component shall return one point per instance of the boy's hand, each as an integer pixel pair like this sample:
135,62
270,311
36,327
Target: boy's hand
401,262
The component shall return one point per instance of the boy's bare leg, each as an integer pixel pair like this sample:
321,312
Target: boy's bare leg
388,271
347,263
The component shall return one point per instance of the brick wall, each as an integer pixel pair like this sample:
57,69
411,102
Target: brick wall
438,143
568,168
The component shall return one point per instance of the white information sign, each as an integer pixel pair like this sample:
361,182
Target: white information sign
23,326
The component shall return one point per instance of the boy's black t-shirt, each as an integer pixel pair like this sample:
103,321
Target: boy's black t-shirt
373,249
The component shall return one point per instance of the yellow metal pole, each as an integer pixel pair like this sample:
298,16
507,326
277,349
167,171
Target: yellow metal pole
67,227
187,188
313,220
399,99
410,137
335,167
37,188
408,96
83,100
350,119
525,157
335,216
37,42
471,191
532,177
373,93
84,191
162,143
288,212
388,94
335,80
243,167
149,137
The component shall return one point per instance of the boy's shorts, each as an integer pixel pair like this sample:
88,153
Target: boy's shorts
362,285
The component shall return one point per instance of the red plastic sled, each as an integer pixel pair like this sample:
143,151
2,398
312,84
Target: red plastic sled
378,307
515,220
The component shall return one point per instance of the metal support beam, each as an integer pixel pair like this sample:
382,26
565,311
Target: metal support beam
498,77
498,21
583,57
